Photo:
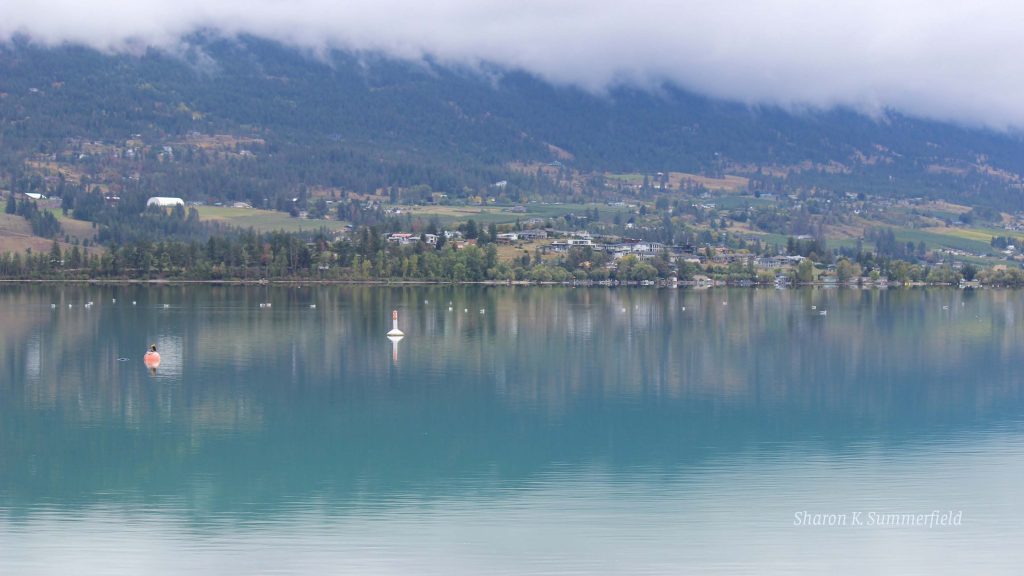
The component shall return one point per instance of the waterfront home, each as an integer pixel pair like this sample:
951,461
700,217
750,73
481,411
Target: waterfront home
776,262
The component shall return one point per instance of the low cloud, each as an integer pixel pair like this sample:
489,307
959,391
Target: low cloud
941,59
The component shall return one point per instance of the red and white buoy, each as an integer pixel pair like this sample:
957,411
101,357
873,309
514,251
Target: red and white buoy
394,325
395,336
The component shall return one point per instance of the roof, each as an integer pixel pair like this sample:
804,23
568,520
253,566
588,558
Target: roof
164,201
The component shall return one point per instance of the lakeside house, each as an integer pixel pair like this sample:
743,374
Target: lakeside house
776,262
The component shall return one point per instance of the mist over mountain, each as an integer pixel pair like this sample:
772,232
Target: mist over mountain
364,121
946,60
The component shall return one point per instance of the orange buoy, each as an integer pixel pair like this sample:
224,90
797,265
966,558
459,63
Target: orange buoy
152,357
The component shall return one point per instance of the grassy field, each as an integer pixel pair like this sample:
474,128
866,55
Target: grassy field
941,238
508,252
76,229
677,179
16,234
973,240
503,214
978,234
264,220
453,214
765,237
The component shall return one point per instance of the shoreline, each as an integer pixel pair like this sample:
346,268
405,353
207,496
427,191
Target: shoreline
524,283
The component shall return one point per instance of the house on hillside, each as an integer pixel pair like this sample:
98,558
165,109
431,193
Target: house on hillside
561,246
403,238
776,262
642,250
532,234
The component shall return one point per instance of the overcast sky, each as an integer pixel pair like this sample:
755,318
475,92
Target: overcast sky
958,60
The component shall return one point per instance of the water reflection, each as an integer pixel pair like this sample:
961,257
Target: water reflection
552,397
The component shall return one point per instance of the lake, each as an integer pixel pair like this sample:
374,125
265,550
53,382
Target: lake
514,430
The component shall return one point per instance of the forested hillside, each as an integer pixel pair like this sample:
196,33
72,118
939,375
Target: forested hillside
250,120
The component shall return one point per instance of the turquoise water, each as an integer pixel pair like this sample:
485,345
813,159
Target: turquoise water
560,431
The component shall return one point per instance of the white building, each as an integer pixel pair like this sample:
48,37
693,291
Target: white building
402,238
164,202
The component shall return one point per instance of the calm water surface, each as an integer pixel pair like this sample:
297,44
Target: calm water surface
521,431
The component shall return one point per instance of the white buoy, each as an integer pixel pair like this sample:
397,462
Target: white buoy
449,308
113,300
725,303
312,306
394,325
133,302
394,347
465,309
53,305
945,307
684,308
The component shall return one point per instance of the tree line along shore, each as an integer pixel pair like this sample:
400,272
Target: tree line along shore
369,257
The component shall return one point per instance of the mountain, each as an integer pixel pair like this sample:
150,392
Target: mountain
250,120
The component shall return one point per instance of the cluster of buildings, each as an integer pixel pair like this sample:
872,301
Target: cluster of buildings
616,247
407,238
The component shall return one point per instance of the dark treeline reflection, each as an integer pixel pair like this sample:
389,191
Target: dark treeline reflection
255,408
